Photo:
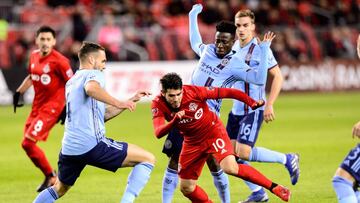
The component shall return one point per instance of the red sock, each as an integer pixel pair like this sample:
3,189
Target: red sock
249,173
37,156
198,196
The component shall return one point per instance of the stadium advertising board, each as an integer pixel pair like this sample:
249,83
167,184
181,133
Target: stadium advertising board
124,78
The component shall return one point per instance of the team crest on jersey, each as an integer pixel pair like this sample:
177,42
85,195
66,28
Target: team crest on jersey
224,61
46,68
192,106
45,79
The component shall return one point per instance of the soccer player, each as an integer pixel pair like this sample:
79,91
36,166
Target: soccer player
84,141
244,123
48,72
218,67
185,108
347,176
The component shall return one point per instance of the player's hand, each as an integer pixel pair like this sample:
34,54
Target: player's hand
258,104
269,114
358,46
179,115
139,94
16,98
126,105
196,9
62,116
268,38
356,130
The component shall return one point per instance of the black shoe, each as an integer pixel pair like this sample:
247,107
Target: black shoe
49,181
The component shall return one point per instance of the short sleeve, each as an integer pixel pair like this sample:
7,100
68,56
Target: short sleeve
156,109
96,76
272,62
65,69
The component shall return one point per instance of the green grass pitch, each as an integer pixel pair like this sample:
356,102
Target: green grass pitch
316,125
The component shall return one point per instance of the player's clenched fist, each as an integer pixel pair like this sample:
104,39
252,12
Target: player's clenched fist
179,115
196,9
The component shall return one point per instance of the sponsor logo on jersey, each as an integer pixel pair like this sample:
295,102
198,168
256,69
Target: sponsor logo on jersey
45,79
185,120
192,106
198,114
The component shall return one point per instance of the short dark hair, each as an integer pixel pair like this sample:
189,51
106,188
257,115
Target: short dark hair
88,47
46,29
171,81
226,26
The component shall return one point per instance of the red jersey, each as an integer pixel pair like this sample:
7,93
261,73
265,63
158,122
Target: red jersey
198,120
49,75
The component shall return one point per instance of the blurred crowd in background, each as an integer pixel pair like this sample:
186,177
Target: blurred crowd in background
151,30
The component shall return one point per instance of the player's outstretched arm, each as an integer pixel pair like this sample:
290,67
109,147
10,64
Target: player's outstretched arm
258,76
112,111
94,90
194,34
356,130
231,93
25,85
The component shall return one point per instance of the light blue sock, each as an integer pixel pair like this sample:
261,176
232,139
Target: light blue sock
357,193
221,182
261,154
137,179
253,187
48,195
344,190
170,182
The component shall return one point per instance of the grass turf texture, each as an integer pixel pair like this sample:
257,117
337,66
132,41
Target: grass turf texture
316,125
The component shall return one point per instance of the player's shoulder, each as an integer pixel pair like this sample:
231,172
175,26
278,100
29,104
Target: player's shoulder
59,56
158,101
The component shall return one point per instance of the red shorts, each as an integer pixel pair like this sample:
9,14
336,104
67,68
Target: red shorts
40,122
193,157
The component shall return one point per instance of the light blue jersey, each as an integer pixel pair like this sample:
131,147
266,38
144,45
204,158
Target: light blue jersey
216,72
223,72
84,126
251,54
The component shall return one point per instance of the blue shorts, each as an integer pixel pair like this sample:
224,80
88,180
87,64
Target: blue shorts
173,143
107,154
245,128
351,163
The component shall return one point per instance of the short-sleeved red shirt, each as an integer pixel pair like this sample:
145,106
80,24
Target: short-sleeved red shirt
49,75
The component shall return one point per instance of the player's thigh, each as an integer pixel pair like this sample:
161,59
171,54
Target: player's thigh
249,128
344,174
136,154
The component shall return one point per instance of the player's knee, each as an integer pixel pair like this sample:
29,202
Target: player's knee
230,169
187,188
27,144
60,188
150,158
243,154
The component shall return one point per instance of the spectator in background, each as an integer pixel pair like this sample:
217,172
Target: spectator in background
110,37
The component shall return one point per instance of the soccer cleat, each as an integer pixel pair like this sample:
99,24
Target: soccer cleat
282,192
292,165
49,181
258,196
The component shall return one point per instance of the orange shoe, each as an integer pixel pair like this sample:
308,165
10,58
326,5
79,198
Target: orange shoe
282,192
